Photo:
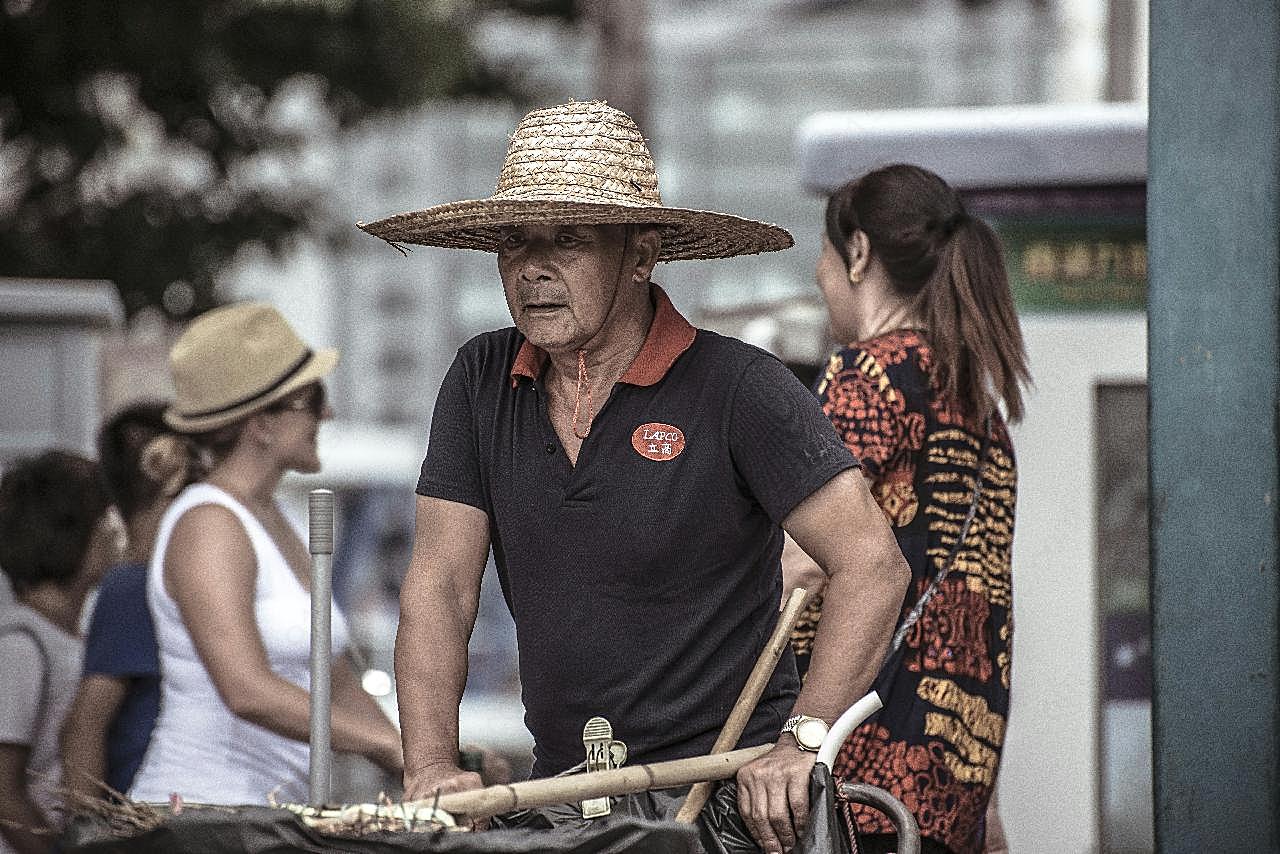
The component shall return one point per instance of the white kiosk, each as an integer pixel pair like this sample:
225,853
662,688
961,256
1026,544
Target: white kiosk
50,335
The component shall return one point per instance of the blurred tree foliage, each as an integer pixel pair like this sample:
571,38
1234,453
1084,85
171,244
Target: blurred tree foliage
146,141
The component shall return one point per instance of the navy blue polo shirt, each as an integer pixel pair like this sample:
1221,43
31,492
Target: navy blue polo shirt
645,580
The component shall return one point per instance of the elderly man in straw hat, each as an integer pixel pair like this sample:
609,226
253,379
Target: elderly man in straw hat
633,476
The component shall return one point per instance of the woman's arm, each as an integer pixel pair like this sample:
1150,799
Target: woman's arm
84,732
349,696
17,812
997,842
210,570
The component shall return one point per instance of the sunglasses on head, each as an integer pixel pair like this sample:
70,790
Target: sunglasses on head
311,399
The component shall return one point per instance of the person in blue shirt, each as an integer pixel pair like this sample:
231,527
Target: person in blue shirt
111,718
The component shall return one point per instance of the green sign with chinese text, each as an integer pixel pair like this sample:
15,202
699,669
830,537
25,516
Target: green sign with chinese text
1060,265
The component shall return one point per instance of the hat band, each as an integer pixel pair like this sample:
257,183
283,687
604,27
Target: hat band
288,375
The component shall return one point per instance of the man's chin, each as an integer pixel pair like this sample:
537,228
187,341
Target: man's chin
550,339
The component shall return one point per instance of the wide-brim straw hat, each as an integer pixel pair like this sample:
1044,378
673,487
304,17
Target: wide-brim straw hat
236,360
581,163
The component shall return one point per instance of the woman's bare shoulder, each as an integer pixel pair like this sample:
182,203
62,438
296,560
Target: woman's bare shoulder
206,534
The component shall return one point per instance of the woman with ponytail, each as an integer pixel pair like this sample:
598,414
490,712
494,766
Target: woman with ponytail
228,585
106,732
930,366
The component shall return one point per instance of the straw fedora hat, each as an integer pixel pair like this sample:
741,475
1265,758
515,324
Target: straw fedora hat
581,163
236,360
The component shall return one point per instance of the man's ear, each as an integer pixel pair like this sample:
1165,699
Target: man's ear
646,245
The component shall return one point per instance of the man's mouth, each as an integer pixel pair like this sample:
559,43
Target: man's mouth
543,307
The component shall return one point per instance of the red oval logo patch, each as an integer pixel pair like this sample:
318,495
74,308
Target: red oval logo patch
658,441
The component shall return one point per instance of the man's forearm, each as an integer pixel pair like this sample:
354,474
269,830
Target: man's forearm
859,611
438,606
800,570
431,673
842,528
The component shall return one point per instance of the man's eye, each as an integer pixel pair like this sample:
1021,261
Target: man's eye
511,241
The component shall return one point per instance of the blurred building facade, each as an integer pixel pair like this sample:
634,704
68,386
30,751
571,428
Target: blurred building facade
729,84
730,81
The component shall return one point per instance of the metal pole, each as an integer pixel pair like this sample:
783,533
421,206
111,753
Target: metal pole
320,518
903,821
1213,208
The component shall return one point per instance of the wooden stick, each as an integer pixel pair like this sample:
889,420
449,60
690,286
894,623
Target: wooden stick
530,794
748,699
721,764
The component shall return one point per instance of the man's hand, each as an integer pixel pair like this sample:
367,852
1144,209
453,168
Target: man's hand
422,783
773,795
493,769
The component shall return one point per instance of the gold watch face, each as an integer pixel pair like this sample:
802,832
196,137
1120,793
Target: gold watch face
810,732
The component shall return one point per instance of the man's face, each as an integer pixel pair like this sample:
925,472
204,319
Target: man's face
561,281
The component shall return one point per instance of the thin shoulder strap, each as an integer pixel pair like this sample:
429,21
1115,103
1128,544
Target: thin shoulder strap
910,620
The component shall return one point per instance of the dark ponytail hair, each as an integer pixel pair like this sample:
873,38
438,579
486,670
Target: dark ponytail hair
952,266
142,460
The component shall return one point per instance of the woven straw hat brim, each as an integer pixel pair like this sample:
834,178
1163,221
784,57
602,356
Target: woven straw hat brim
319,366
686,234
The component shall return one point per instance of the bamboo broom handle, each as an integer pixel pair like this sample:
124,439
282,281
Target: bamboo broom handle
483,803
747,700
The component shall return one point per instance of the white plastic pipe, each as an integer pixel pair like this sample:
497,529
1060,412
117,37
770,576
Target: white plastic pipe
845,724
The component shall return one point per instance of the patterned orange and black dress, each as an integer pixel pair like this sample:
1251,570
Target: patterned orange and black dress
936,744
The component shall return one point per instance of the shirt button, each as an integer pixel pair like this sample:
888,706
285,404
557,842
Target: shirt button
551,448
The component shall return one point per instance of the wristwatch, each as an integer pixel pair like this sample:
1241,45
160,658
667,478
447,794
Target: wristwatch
808,732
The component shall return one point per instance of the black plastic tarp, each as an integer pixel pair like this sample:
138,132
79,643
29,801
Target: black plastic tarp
640,824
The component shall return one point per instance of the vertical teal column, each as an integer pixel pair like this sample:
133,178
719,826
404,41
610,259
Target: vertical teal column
1214,229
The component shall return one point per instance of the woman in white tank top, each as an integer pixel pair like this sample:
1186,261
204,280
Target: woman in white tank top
228,586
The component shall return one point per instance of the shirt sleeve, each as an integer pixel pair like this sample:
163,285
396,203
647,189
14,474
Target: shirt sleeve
863,416
451,469
22,675
782,444
121,641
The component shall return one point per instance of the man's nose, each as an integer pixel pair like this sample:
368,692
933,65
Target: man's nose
535,265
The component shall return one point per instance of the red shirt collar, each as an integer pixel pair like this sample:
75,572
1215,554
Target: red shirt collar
669,336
